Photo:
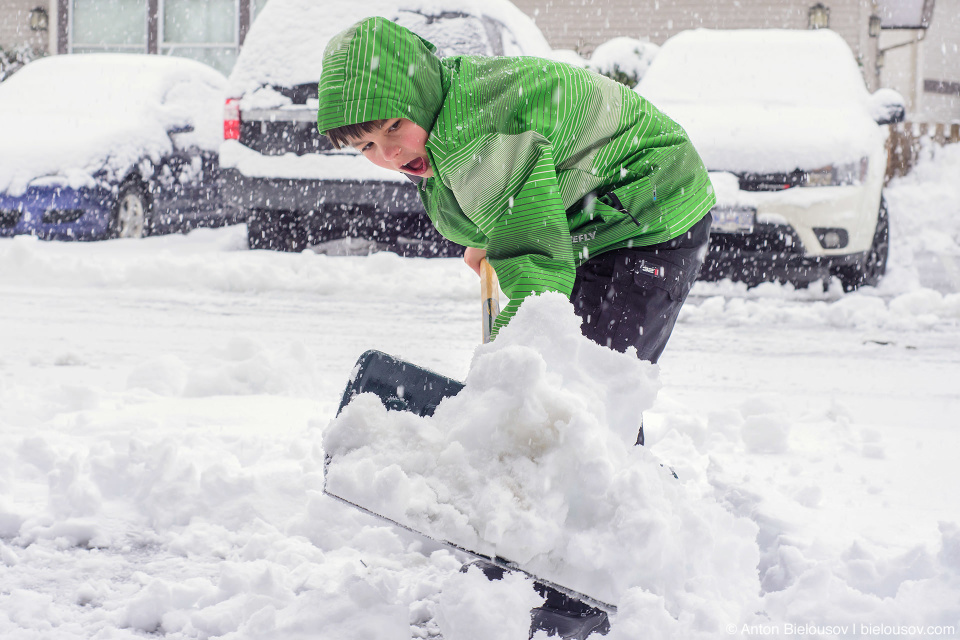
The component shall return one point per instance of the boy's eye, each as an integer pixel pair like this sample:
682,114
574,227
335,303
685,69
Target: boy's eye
365,147
394,126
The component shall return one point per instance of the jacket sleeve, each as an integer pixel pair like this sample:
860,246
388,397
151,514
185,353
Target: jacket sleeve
507,185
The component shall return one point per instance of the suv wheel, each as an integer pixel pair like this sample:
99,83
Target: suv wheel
874,265
275,230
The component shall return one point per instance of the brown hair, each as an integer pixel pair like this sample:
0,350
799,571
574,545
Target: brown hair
342,135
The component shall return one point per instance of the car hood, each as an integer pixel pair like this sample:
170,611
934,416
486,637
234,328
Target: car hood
763,138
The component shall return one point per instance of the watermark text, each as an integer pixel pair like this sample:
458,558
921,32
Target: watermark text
861,629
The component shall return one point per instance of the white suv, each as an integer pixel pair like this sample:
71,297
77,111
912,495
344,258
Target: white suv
795,147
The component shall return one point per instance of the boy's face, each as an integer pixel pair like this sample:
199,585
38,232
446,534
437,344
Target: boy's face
399,145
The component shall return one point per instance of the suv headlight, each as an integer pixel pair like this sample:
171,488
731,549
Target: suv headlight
835,175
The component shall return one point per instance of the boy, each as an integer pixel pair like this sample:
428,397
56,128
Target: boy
565,180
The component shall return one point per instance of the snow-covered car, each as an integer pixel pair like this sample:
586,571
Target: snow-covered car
292,186
109,145
794,142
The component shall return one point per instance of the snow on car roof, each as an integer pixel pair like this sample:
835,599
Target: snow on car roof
73,115
99,83
285,44
765,99
756,65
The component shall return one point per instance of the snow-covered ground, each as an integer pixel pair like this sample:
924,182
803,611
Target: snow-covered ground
163,406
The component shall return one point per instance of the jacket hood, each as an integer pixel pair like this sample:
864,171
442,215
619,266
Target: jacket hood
377,70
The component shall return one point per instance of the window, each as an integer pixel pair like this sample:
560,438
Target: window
205,30
109,25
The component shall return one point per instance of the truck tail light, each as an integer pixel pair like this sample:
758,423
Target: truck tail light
231,119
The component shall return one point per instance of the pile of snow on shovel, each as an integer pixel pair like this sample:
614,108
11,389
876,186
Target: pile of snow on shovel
535,461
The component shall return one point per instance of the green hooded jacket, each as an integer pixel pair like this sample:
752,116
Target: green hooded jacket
541,163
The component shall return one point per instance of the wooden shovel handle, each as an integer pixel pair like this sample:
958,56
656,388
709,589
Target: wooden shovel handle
489,298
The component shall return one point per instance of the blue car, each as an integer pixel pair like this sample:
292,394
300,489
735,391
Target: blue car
97,146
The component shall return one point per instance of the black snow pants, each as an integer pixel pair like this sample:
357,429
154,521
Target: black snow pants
632,297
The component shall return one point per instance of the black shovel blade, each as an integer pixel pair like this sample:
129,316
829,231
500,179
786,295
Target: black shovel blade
400,385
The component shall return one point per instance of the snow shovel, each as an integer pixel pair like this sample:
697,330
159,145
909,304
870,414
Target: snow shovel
403,386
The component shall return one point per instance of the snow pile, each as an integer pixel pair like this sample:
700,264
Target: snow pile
925,232
862,310
179,263
241,367
102,112
534,461
823,569
916,593
473,607
151,528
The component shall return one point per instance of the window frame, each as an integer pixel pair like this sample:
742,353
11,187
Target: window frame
66,43
71,44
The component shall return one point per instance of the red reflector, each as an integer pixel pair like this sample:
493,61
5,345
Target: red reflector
231,119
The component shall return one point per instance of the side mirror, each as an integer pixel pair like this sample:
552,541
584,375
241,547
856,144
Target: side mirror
887,106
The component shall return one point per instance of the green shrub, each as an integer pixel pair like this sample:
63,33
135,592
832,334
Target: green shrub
621,76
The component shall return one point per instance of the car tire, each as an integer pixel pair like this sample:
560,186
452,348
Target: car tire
276,231
131,212
874,265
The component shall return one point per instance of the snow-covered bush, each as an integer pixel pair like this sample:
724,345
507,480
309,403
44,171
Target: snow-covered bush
12,60
623,59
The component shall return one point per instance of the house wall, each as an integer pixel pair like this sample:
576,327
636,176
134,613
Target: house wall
15,25
583,24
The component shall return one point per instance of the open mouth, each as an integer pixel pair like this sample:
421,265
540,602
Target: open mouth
415,166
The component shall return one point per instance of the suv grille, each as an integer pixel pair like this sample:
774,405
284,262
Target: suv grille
770,181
